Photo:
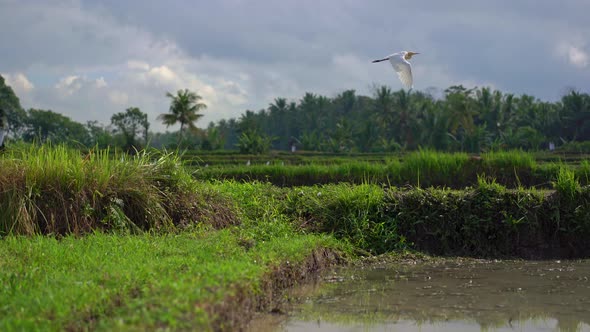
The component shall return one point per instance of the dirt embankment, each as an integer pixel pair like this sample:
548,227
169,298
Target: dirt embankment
235,311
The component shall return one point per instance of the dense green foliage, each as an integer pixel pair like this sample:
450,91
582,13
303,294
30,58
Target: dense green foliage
251,142
471,120
11,109
44,126
131,124
491,221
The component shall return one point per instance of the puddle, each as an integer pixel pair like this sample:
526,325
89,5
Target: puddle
449,295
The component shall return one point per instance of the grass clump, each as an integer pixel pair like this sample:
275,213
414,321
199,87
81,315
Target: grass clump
583,172
430,168
58,190
518,159
262,210
489,185
567,184
352,213
513,167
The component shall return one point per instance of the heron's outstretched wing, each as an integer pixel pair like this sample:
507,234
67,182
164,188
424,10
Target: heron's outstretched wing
403,70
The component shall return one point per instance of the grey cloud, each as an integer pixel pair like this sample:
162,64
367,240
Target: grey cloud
63,34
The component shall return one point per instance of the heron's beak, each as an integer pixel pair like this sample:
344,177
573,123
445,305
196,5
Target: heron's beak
409,55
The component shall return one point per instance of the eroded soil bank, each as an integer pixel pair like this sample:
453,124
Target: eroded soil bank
235,312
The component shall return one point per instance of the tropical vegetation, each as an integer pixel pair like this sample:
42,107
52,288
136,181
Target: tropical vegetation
459,119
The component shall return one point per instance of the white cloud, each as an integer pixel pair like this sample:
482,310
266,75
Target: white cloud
69,84
578,57
145,86
119,98
19,83
139,65
163,74
574,54
100,82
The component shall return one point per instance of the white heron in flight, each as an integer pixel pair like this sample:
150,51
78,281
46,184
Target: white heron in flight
402,66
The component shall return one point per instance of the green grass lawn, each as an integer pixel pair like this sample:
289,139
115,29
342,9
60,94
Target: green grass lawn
136,282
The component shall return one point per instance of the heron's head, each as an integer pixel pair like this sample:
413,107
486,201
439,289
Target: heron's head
409,54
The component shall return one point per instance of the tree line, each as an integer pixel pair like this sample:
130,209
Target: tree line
463,119
128,130
471,120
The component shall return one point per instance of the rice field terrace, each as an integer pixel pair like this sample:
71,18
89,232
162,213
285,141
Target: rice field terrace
234,158
97,240
422,168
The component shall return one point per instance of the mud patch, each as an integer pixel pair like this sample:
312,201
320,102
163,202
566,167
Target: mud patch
459,294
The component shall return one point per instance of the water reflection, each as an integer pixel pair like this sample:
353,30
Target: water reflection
446,295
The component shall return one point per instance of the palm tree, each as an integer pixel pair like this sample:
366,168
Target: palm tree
459,109
405,119
279,122
383,106
434,125
184,108
575,110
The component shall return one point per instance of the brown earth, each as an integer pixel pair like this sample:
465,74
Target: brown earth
235,311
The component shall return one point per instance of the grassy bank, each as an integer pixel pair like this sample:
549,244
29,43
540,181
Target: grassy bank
57,190
145,282
487,220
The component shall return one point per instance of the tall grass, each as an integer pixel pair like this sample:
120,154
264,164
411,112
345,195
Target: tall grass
422,168
567,184
489,185
427,167
353,213
583,172
509,159
58,190
291,175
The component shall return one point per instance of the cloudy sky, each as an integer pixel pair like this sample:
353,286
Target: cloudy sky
89,59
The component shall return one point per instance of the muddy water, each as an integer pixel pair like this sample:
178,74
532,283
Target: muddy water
443,295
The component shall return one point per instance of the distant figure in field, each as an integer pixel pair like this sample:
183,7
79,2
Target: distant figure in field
293,144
